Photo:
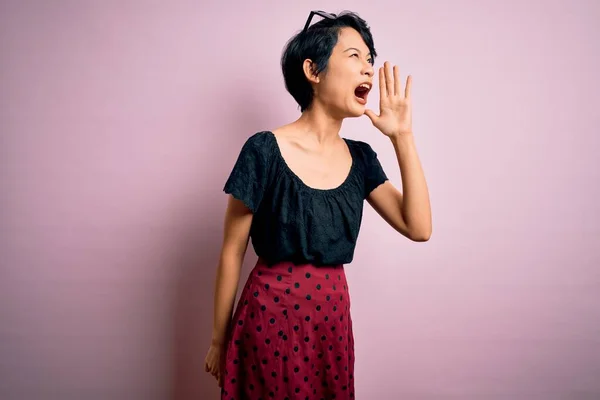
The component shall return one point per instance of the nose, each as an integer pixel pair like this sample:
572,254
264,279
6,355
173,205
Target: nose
368,69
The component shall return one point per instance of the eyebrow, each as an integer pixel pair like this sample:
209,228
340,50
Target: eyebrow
354,48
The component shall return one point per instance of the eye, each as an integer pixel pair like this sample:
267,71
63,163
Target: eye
353,55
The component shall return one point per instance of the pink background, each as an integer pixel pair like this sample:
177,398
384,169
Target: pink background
121,120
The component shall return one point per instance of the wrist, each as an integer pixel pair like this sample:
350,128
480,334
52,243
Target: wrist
401,138
406,132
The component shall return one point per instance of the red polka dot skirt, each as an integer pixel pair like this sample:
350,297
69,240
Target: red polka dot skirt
291,336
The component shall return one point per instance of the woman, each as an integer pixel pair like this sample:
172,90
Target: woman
298,192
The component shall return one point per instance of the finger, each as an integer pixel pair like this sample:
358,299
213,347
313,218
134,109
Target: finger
397,86
408,86
389,79
382,88
372,116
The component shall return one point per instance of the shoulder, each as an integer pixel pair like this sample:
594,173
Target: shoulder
251,175
259,146
362,150
358,144
259,141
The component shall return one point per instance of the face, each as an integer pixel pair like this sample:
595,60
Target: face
343,87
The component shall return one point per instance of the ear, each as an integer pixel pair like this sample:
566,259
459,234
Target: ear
309,68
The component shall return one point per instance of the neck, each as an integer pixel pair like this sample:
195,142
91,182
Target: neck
320,124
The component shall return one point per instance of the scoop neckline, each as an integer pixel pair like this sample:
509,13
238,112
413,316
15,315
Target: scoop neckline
301,182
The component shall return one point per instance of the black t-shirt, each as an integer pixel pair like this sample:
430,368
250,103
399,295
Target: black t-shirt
292,221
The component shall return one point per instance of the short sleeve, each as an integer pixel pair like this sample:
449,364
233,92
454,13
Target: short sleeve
374,173
248,179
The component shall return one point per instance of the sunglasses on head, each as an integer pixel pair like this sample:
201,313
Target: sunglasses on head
319,13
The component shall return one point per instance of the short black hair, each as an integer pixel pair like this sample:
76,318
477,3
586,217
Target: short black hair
317,43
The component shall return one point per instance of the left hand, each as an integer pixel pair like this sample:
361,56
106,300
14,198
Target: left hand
395,115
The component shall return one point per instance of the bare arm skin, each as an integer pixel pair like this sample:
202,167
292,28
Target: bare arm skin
238,219
408,213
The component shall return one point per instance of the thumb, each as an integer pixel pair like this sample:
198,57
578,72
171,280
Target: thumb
372,116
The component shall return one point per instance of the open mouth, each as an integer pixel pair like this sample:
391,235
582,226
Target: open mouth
361,92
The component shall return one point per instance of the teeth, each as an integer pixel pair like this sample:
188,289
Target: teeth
365,86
